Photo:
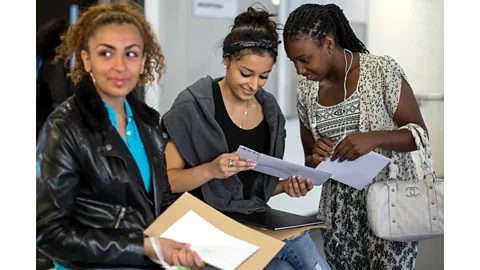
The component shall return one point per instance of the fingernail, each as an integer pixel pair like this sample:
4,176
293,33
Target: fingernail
330,150
333,145
329,155
324,159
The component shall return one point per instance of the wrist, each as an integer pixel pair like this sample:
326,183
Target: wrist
207,172
284,186
378,138
147,247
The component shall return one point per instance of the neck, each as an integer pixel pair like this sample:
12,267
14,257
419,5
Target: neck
116,103
228,96
337,73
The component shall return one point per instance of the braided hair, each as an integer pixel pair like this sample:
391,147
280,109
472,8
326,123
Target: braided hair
317,21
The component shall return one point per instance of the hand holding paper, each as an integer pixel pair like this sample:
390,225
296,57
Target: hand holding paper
354,146
296,186
281,168
214,246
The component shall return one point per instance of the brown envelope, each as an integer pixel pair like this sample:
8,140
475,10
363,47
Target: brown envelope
268,246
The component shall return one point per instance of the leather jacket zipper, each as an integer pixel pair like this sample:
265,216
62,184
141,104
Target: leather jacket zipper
120,217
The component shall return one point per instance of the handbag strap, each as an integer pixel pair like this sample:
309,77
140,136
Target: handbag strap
421,140
423,147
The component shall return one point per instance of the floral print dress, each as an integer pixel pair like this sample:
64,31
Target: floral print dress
349,241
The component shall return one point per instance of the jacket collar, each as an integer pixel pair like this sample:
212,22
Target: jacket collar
95,114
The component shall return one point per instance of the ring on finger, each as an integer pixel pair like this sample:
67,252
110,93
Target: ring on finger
230,163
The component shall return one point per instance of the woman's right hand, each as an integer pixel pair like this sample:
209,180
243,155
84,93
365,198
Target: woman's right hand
322,149
220,169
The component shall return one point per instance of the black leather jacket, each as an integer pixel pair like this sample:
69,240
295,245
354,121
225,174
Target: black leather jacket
92,207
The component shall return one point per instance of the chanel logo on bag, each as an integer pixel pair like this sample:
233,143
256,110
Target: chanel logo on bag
412,192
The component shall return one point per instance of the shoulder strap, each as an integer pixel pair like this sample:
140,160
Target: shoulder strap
423,146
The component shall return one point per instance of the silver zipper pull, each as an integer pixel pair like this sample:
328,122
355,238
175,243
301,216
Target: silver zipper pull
120,217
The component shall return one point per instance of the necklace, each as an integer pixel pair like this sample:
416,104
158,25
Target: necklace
245,115
345,90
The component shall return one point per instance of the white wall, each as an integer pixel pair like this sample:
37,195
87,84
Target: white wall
192,46
411,31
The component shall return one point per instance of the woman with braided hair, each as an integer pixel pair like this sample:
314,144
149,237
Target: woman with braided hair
211,118
350,103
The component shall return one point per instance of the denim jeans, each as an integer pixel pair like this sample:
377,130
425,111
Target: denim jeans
299,253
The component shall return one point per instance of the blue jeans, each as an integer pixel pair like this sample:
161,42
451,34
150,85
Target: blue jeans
298,253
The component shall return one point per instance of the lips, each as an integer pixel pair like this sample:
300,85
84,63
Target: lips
247,92
311,77
118,81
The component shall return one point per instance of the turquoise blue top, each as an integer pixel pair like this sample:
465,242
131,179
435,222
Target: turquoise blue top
134,143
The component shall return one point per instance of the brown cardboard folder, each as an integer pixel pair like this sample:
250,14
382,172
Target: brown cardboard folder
268,246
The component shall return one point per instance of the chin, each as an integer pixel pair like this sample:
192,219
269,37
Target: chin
119,92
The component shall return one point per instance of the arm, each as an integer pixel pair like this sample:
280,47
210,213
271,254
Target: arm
59,235
407,112
307,142
314,152
279,188
356,145
181,179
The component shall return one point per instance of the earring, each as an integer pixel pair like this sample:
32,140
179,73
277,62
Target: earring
93,78
225,66
330,51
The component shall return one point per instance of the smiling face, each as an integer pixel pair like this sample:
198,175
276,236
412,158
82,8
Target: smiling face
245,76
310,60
115,59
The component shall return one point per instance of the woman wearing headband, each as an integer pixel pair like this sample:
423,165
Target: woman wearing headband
361,98
211,118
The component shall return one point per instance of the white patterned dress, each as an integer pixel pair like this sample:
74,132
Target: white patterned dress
349,241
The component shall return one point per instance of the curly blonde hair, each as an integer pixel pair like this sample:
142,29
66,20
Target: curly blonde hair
76,38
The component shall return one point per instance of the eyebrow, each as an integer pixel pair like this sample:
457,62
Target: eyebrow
300,56
113,47
254,71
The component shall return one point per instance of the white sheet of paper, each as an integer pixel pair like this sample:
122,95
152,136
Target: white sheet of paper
358,173
281,168
212,245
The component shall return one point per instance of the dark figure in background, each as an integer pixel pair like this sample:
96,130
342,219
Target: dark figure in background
53,85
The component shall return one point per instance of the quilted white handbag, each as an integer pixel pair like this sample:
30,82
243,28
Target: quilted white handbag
408,211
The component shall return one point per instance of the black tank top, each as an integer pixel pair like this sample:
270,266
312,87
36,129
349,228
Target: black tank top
257,139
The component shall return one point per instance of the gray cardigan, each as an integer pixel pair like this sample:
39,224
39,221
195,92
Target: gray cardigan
192,127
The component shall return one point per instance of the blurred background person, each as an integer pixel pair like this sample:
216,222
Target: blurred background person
53,85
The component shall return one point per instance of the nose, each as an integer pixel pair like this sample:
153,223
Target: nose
300,69
119,63
253,83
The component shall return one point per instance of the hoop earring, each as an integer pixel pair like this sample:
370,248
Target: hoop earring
93,78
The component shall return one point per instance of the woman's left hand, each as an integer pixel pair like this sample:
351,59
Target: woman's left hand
295,186
354,146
